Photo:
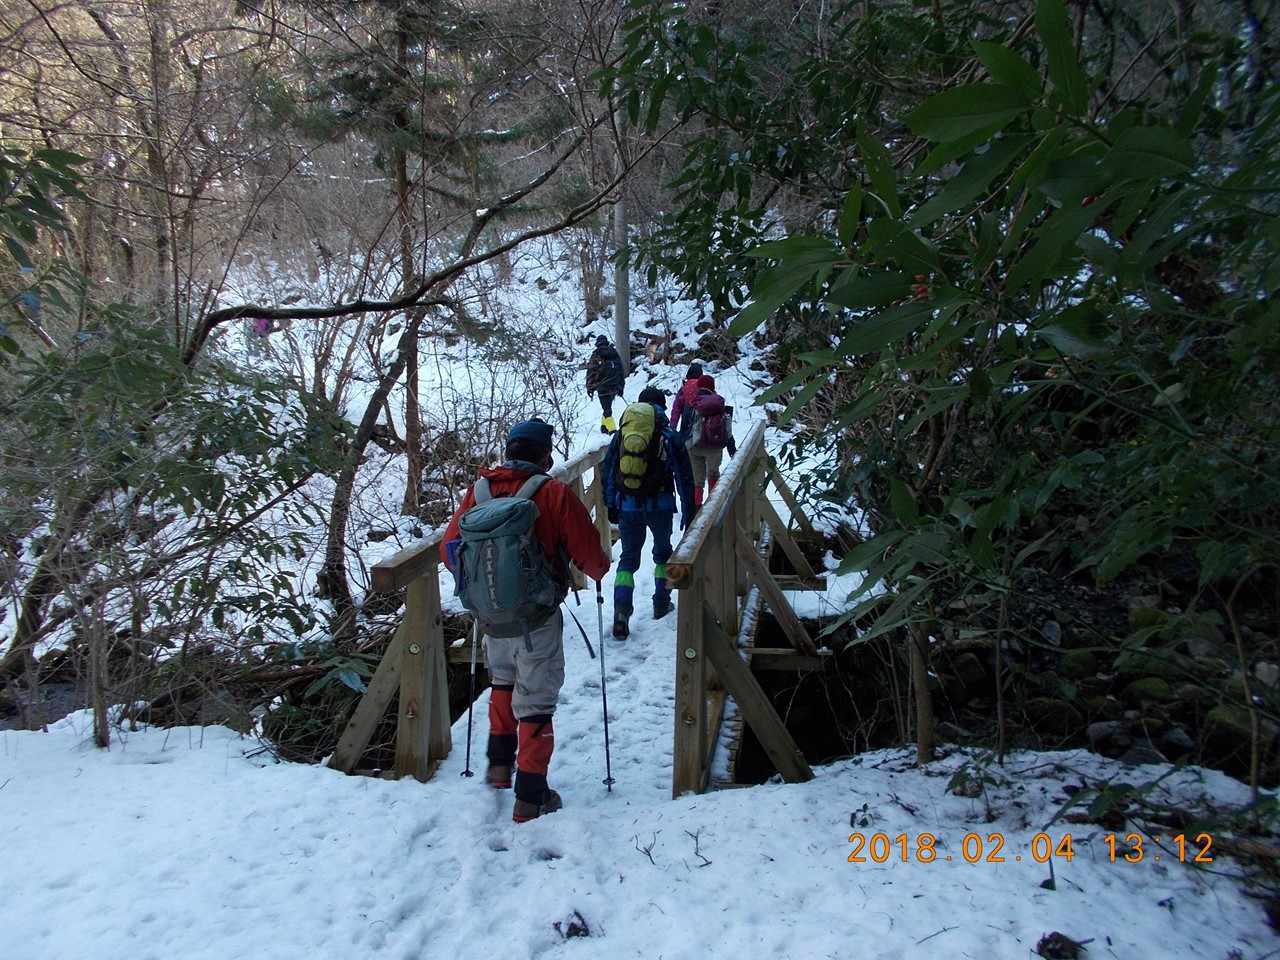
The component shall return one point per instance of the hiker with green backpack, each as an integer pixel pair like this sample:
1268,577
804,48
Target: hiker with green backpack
509,545
645,470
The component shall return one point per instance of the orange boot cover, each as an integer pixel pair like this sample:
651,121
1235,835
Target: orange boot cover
502,726
697,496
537,742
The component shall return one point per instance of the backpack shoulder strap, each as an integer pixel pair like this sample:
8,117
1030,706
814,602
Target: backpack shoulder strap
482,491
532,485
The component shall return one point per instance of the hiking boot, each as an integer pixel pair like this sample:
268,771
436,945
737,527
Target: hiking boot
621,624
524,811
661,607
498,776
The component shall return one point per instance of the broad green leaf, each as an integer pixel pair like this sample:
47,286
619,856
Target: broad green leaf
1070,89
1078,331
873,291
1142,153
1054,249
850,216
1189,116
867,552
801,399
912,252
788,383
1070,179
1008,67
988,242
879,164
794,247
657,96
926,546
875,333
971,181
903,502
805,258
983,553
962,110
940,400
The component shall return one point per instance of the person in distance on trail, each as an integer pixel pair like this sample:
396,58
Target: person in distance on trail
527,669
605,377
710,434
688,390
645,470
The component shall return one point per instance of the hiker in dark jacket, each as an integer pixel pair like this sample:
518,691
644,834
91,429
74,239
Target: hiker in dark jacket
636,513
688,390
605,377
527,671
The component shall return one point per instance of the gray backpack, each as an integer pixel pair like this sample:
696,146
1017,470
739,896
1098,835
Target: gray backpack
502,574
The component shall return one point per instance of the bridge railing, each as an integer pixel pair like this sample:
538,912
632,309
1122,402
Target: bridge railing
720,558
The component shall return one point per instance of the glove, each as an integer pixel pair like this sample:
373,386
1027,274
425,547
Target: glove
615,515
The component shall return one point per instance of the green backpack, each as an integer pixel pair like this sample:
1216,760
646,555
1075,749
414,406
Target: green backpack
641,451
502,574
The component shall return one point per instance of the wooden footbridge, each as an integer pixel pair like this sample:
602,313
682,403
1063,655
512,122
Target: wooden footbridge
721,568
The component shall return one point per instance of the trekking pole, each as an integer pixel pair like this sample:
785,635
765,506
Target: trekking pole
604,696
583,630
471,700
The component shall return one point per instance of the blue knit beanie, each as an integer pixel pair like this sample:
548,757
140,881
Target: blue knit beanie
536,431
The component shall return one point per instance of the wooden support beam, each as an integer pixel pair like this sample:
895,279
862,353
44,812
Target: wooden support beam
419,681
779,658
461,653
690,768
782,537
359,730
777,741
398,571
594,502
792,504
786,582
774,597
440,735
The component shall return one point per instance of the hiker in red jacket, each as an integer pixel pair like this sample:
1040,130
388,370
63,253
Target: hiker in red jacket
688,390
709,439
527,671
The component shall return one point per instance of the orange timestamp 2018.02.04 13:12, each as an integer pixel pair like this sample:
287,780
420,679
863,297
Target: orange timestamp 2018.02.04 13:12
974,848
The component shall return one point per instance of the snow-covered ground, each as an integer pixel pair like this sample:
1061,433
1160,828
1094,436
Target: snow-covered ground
192,844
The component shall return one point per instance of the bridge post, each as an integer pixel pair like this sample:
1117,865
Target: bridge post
690,767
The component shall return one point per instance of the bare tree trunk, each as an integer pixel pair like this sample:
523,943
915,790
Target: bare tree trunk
157,13
622,272
415,454
919,641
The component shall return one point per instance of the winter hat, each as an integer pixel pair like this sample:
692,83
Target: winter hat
653,395
602,341
707,382
694,371
536,431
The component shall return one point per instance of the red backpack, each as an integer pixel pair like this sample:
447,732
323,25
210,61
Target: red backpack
711,425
